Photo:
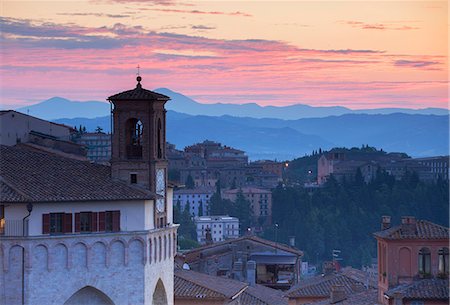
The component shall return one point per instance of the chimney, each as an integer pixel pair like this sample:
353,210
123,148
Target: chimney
398,298
292,241
237,271
385,222
328,268
251,273
208,236
337,293
408,225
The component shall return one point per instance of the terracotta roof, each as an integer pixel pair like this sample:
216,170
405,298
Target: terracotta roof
367,297
261,295
424,230
138,93
195,285
29,175
246,190
320,286
191,255
9,194
366,278
427,289
189,284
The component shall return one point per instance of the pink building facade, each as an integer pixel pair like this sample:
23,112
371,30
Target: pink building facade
413,262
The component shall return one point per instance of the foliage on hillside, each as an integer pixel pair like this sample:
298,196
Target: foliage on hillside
345,215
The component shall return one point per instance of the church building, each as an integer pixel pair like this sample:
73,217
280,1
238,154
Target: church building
76,232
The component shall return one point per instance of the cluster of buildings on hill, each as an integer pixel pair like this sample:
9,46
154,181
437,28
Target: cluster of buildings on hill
208,162
74,231
344,163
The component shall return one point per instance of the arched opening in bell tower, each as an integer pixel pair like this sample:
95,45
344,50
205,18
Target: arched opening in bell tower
159,295
134,132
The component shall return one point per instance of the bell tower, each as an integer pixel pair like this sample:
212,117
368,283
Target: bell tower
139,143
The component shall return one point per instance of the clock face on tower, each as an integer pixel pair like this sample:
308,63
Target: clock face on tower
160,189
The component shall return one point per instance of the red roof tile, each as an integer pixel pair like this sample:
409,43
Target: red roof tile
424,230
427,289
29,175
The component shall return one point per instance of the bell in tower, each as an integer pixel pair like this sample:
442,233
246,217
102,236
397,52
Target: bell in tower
139,142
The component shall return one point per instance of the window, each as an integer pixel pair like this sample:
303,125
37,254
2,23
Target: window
443,260
133,178
56,222
424,261
86,222
109,221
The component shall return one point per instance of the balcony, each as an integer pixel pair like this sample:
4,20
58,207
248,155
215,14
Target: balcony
13,227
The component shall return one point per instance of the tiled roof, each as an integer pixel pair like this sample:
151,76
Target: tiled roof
261,295
368,279
367,297
8,194
424,230
320,286
191,255
195,285
29,175
427,289
248,190
138,93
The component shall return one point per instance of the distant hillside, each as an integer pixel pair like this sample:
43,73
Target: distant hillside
58,107
417,135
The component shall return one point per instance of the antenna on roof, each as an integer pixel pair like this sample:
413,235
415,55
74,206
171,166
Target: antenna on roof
138,70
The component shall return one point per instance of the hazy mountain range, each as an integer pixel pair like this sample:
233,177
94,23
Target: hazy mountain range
58,107
416,132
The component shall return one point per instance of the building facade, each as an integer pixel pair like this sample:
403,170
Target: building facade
196,199
75,232
97,144
220,228
260,202
413,262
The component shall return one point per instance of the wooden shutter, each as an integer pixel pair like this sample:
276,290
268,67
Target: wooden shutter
45,223
77,222
94,227
116,221
67,223
101,221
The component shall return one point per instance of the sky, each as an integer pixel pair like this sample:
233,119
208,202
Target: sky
359,54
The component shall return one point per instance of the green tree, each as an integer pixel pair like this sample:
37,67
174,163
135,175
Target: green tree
200,208
243,212
190,184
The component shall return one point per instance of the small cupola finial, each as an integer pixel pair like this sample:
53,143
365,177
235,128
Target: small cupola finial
138,78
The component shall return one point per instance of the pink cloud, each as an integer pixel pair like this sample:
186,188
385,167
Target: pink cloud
379,26
91,63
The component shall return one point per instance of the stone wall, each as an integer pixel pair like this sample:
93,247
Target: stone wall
125,267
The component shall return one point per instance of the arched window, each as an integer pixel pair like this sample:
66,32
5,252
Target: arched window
159,139
134,132
443,261
424,261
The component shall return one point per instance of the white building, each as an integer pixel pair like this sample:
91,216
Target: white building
74,232
220,228
197,199
98,145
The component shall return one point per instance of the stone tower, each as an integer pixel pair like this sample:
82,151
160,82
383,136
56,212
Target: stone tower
139,143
